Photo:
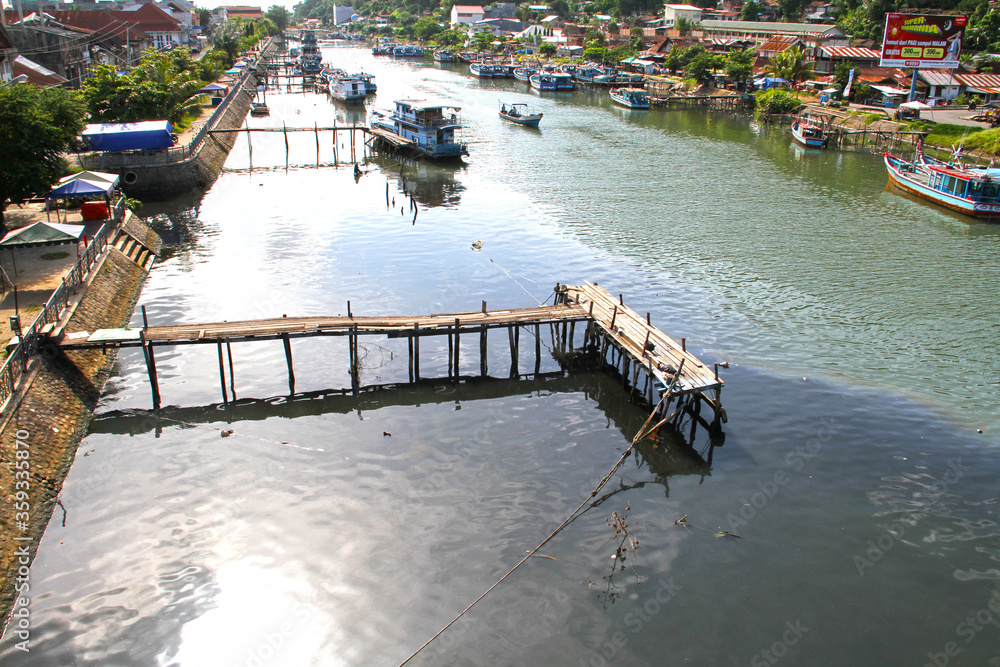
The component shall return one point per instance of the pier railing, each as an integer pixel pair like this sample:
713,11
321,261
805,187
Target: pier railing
120,160
16,363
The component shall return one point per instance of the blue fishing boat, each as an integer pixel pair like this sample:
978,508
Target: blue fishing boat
633,98
443,56
524,73
809,133
482,70
970,190
544,81
520,113
429,126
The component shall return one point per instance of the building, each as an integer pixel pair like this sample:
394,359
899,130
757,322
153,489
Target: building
828,57
499,26
673,13
115,41
342,14
35,74
243,11
54,46
162,29
761,31
7,54
466,14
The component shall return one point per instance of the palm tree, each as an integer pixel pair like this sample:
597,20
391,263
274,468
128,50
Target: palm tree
791,64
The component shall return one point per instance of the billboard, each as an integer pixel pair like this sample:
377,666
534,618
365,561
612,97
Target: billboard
921,40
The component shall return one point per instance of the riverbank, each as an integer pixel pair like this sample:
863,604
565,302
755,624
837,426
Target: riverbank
46,418
161,174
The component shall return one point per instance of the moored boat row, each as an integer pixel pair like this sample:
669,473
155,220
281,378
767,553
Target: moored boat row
970,190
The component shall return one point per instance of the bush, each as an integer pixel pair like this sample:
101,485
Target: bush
777,101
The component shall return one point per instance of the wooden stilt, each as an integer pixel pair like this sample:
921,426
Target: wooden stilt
147,350
409,349
458,349
451,353
222,373
284,129
232,381
538,348
513,350
288,359
482,350
316,129
416,351
355,362
572,334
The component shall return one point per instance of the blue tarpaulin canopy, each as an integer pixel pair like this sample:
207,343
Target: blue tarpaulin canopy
81,187
212,87
233,70
128,136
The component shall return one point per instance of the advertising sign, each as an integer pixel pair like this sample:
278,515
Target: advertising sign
920,40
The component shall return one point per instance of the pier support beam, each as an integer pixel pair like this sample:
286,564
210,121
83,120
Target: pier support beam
288,359
222,373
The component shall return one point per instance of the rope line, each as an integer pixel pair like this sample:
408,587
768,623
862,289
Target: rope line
643,432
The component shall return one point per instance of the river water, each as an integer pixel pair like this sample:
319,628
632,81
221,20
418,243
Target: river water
859,497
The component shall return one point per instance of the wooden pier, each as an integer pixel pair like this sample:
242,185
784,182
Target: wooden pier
650,363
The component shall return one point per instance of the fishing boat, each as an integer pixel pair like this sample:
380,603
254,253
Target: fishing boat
369,81
383,49
429,126
408,51
970,190
543,81
524,73
564,81
809,134
259,109
443,56
633,98
346,88
310,59
520,113
587,73
482,70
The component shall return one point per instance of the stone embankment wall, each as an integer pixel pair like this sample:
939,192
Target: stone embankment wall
48,417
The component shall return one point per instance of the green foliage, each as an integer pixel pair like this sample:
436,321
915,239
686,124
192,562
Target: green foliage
594,39
132,204
449,38
614,28
858,23
59,254
278,15
156,89
777,101
983,32
426,28
620,53
684,25
36,126
560,8
750,11
739,65
204,19
791,64
595,54
547,49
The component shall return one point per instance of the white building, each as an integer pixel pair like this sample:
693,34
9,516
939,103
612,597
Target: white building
342,14
671,14
461,14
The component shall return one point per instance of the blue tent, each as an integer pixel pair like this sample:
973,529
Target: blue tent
80,188
211,88
128,136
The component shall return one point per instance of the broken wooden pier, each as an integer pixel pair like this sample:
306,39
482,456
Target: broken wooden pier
651,364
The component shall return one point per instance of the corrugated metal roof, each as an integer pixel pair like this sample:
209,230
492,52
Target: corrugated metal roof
850,52
939,77
980,80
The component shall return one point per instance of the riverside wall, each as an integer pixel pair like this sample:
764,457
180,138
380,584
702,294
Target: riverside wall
47,418
157,177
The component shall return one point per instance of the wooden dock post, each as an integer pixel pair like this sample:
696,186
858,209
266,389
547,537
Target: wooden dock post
147,352
232,381
538,349
288,359
222,373
409,350
457,348
416,351
335,155
355,363
316,130
284,129
513,333
482,349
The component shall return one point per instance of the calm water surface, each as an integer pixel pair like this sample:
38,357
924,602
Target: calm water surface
860,329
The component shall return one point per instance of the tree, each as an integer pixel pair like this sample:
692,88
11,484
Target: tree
750,11
426,28
739,66
791,64
684,25
614,28
559,7
547,49
281,16
205,19
36,126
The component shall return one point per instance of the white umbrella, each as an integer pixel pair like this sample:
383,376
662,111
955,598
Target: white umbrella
915,104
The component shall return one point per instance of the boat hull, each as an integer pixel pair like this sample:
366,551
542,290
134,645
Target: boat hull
531,120
804,139
902,179
633,101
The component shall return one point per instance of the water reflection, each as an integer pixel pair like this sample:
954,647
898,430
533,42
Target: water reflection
429,183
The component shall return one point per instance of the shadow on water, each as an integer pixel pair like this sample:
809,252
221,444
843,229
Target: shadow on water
673,450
